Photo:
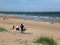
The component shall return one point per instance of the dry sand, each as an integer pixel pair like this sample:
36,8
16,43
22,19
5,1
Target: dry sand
34,30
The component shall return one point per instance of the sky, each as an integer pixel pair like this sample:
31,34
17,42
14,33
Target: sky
29,5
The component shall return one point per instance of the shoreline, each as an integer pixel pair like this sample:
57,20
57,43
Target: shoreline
19,17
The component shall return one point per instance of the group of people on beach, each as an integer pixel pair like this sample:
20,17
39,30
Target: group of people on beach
22,27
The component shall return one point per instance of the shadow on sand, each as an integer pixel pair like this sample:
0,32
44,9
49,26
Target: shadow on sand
26,33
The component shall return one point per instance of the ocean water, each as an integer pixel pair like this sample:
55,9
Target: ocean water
38,16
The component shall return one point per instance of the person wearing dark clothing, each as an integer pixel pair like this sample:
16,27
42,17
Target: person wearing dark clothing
22,26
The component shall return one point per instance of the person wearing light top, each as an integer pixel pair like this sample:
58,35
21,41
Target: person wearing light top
17,27
12,27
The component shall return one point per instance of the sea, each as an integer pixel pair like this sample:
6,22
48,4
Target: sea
37,16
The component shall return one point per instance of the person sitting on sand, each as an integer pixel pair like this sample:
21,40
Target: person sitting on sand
17,27
12,27
24,28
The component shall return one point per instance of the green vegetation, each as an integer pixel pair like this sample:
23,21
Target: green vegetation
46,41
2,29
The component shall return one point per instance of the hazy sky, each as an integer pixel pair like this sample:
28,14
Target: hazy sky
29,5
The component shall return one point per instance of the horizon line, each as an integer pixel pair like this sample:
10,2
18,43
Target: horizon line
29,11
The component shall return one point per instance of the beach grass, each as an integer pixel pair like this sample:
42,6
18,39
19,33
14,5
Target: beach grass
46,41
3,29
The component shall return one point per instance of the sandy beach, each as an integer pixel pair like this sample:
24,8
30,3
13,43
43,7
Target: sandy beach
34,30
